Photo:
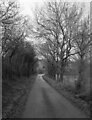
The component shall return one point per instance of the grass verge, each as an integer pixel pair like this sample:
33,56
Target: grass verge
15,97
82,105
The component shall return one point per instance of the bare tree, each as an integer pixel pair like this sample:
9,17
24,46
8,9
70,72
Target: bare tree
83,42
56,23
14,27
8,19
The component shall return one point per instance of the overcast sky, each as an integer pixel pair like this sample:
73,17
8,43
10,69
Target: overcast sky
28,5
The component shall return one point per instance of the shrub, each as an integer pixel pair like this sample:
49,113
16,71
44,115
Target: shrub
20,64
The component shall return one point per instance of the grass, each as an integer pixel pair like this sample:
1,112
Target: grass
69,94
15,98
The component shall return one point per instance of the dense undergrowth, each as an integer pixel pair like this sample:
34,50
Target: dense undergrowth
15,95
18,76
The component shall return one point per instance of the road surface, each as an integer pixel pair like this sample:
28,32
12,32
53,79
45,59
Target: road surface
45,102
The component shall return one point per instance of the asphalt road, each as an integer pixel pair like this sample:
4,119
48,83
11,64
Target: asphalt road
45,102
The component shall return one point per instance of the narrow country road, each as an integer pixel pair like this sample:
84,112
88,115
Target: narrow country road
45,102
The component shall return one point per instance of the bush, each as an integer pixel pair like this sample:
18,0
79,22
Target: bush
21,64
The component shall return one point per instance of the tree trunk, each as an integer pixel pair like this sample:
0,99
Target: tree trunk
81,76
57,77
62,71
61,75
